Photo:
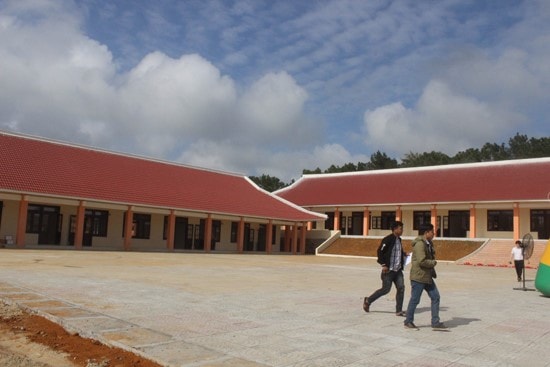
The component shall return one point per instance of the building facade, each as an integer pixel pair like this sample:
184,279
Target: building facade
58,194
504,200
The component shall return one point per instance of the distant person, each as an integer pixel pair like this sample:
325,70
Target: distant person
517,257
422,277
392,258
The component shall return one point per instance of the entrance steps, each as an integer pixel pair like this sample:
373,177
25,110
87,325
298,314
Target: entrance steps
496,252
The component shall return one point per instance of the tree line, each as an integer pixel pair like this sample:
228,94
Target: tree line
518,147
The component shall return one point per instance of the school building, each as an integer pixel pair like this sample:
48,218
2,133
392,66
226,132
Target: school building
55,194
63,195
498,200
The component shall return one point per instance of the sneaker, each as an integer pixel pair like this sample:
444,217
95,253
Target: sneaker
400,313
440,327
411,326
366,305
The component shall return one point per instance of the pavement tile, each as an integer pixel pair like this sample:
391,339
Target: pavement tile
197,310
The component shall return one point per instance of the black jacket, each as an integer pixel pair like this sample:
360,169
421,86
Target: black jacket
385,249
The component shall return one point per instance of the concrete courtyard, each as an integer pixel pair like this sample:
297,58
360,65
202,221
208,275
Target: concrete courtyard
187,309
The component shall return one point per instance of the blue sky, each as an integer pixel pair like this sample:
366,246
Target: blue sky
273,87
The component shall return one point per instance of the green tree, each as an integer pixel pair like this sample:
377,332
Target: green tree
425,159
309,172
540,147
494,152
470,155
268,183
520,147
380,160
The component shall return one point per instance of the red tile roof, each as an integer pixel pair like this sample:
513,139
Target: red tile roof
516,180
37,166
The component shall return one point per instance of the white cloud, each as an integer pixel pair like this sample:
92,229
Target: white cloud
273,107
69,88
442,120
256,160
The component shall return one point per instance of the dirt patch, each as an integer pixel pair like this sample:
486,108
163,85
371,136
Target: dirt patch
28,340
450,250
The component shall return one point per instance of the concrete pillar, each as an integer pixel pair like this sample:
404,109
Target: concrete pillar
303,239
171,231
287,238
240,236
517,234
473,221
129,228
366,223
79,230
268,236
22,222
337,219
208,234
433,217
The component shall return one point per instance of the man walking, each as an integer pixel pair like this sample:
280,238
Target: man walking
422,277
392,258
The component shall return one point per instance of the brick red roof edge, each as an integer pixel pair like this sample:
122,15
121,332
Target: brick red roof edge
32,165
502,181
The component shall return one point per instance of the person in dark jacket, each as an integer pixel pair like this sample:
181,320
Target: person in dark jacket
422,277
392,259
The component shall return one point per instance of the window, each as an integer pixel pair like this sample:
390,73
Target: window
375,222
537,220
234,229
387,219
421,217
99,220
38,217
500,220
216,230
141,226
329,222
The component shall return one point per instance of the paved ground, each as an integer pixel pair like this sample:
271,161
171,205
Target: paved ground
276,310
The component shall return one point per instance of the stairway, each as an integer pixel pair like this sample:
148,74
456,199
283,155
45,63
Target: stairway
496,252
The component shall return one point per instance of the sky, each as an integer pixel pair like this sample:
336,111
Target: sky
274,87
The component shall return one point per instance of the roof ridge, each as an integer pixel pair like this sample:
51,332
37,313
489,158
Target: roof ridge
431,168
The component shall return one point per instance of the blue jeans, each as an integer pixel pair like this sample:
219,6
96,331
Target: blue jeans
388,278
416,292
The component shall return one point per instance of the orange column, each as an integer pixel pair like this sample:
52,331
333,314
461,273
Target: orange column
433,218
337,219
309,226
473,229
79,230
516,222
129,228
303,238
366,222
171,231
268,236
240,236
398,213
294,238
287,238
22,222
208,234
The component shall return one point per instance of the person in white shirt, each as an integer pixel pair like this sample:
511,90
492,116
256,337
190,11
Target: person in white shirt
517,256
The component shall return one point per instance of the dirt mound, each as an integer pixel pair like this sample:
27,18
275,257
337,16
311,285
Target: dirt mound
28,340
